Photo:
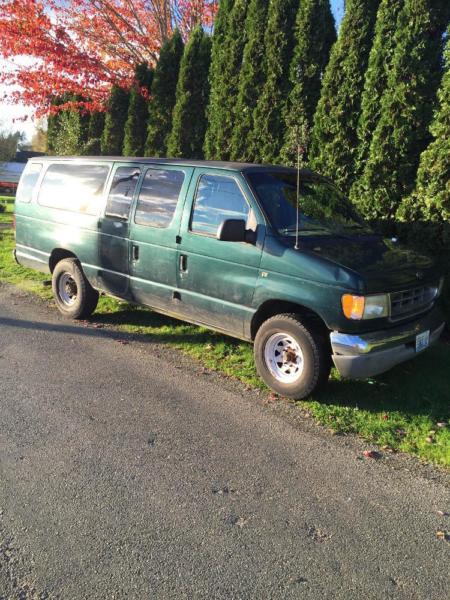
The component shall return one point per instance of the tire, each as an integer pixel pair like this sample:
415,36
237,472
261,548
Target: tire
305,359
74,295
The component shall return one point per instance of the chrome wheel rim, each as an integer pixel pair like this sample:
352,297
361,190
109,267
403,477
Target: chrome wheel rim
67,289
284,357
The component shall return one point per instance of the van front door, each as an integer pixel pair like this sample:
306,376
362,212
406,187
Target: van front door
153,235
114,231
216,279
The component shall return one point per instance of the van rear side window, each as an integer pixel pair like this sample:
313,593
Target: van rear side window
158,197
74,187
28,182
121,193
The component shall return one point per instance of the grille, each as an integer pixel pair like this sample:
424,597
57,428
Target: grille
412,301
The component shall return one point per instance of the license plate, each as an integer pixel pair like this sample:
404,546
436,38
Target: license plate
422,341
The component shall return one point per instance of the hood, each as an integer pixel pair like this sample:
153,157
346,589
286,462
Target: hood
383,264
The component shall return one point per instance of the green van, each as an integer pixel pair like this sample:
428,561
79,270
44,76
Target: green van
228,246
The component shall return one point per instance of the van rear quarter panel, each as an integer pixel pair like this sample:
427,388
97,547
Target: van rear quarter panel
41,230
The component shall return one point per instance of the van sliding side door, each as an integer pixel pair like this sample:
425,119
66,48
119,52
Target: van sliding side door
113,239
154,234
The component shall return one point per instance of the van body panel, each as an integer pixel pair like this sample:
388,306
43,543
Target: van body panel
40,229
113,257
153,274
300,277
217,279
382,264
113,246
54,229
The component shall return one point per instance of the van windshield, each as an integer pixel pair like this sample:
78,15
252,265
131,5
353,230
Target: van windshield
324,210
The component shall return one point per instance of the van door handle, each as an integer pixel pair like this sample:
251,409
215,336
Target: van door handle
135,252
183,263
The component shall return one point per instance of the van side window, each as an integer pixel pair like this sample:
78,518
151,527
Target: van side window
217,198
27,182
74,187
121,193
158,197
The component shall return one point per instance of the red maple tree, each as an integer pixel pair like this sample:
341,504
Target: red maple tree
83,47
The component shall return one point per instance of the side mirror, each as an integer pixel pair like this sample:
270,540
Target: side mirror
232,230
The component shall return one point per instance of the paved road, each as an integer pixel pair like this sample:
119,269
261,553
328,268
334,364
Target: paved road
126,473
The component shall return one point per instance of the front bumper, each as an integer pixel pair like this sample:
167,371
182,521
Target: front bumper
368,354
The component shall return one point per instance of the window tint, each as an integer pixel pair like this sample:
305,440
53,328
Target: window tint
218,198
158,197
74,187
27,182
121,192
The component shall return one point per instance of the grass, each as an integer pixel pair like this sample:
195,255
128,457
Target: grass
8,203
405,409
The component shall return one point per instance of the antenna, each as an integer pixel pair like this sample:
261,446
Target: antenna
298,199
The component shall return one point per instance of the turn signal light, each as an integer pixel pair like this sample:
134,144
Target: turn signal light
353,306
365,307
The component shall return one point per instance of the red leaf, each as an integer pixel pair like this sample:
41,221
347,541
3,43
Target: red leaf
372,454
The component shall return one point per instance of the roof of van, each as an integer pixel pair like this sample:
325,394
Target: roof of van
216,164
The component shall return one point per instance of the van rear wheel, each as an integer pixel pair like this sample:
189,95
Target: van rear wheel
74,295
291,357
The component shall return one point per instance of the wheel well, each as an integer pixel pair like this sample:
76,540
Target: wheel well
278,307
57,255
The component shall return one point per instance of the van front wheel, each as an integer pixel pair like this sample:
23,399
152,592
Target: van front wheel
74,295
291,357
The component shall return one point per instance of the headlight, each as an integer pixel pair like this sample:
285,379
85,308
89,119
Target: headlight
365,307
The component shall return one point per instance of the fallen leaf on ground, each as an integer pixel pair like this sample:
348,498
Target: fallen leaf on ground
443,535
272,398
372,454
123,342
442,513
